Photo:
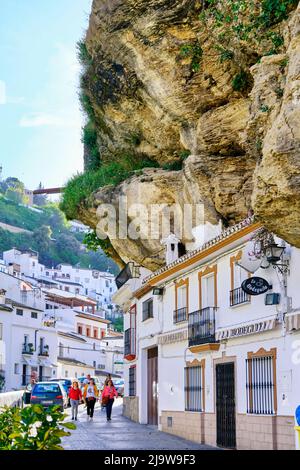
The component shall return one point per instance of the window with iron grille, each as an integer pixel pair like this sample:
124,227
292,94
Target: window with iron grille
260,385
132,381
148,309
193,388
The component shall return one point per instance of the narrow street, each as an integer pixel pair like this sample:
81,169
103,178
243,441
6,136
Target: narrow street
121,434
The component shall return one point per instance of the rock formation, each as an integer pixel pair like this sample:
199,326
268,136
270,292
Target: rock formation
149,97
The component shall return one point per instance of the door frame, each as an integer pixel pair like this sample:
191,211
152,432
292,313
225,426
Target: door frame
225,360
154,347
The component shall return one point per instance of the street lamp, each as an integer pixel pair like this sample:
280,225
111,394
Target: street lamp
273,254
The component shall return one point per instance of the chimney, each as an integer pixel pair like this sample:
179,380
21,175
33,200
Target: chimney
2,296
171,243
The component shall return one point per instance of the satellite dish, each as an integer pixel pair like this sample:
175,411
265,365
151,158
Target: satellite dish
249,262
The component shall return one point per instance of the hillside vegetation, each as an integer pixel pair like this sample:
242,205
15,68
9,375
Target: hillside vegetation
50,236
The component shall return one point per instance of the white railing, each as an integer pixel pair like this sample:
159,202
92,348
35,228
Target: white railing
11,399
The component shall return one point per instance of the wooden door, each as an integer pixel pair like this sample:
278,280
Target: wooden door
153,386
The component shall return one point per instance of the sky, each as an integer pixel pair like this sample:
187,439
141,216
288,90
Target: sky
40,117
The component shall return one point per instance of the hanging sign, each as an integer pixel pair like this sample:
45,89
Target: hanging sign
255,286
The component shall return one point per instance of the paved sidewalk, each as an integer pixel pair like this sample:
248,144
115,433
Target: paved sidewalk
121,434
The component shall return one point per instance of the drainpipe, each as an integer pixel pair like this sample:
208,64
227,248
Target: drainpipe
35,339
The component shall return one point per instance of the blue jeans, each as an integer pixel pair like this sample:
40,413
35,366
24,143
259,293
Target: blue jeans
109,407
74,405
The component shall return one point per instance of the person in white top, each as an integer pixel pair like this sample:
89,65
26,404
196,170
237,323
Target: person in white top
90,394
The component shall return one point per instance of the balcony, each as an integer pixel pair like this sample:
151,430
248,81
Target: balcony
238,296
27,348
129,344
202,330
44,351
180,315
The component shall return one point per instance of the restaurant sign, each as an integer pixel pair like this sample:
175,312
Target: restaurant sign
174,337
243,330
255,286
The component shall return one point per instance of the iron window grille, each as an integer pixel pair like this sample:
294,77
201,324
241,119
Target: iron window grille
180,315
260,385
132,381
238,296
147,309
129,341
193,388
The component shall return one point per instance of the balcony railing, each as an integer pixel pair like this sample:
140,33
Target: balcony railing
27,348
44,351
129,342
238,296
180,315
202,326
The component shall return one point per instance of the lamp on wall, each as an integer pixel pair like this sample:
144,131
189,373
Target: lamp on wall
273,254
158,291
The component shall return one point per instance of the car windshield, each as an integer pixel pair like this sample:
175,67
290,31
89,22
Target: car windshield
66,382
46,388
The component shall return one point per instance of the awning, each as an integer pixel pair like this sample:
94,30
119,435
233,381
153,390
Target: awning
46,363
293,321
31,361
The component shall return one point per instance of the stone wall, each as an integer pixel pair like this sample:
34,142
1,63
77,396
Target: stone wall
131,408
196,427
11,398
252,432
265,432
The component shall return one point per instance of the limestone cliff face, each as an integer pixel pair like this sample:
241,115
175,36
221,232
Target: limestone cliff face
244,145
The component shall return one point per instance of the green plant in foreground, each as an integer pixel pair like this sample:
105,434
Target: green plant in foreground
33,428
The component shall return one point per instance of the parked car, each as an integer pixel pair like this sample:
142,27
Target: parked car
96,379
49,394
66,383
119,385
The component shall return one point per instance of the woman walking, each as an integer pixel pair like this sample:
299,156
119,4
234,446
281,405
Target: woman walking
108,397
90,394
75,396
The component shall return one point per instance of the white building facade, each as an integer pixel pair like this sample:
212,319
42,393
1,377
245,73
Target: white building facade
205,360
28,346
97,285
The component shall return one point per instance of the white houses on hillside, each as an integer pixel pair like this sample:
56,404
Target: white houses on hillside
27,345
100,286
49,332
81,333
207,359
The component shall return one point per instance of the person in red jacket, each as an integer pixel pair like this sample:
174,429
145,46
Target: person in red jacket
75,397
108,396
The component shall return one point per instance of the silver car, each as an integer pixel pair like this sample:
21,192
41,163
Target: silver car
49,394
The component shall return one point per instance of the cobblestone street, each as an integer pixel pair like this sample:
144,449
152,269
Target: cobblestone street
121,434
